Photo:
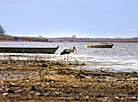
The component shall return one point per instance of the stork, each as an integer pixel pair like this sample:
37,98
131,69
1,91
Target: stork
68,51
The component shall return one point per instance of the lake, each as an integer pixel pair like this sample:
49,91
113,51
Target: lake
123,57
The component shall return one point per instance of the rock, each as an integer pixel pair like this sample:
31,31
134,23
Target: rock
43,65
87,97
37,94
33,88
68,91
116,97
83,63
5,94
17,91
56,92
74,86
98,81
11,91
88,77
71,76
47,94
134,98
80,75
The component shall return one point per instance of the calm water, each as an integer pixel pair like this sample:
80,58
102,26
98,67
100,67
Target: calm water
122,57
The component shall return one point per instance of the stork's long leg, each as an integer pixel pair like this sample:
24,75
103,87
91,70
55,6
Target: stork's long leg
67,57
64,57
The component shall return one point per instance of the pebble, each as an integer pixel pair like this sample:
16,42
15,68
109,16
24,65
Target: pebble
5,94
86,97
116,97
88,77
74,86
57,93
134,98
71,76
38,94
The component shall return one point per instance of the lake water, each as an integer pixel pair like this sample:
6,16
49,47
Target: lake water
122,57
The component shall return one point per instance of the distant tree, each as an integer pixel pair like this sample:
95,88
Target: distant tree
74,36
135,38
2,31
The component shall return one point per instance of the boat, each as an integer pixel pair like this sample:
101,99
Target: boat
101,45
44,50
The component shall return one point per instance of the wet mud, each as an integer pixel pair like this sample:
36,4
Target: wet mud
41,81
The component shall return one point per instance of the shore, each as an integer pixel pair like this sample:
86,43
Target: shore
39,81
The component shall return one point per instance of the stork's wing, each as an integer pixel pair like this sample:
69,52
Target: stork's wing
68,50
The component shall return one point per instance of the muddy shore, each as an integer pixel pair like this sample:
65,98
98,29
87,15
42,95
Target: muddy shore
39,81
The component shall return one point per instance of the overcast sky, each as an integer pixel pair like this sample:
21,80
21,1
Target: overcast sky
64,18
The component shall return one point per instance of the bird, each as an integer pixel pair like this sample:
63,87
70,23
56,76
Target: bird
68,51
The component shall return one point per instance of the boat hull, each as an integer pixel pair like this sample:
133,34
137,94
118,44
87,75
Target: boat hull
48,50
98,46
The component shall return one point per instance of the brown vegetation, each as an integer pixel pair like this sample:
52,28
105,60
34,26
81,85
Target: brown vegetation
20,39
39,81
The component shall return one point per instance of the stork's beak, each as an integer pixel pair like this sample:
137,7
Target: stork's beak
74,48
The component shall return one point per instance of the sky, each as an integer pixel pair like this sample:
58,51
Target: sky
64,18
